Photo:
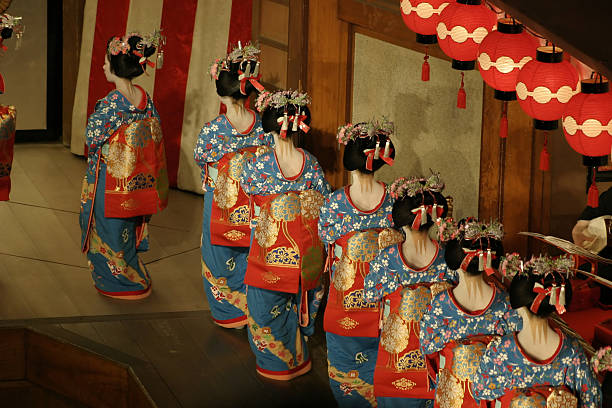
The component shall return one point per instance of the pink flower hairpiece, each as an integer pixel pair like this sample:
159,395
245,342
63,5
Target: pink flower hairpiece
118,45
602,360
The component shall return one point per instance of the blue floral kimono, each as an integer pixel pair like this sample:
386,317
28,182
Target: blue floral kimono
400,377
350,322
511,378
454,339
112,244
223,266
286,261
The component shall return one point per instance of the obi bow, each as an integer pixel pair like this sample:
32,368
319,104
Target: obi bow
252,77
484,260
297,120
374,153
557,297
421,212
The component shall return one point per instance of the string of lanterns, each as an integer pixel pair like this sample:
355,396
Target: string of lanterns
511,61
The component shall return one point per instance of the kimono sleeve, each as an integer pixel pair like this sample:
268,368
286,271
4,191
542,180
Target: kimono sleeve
381,280
209,147
584,383
329,225
430,325
100,124
491,380
321,184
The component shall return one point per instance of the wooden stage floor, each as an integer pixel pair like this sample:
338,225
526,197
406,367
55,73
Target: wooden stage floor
182,358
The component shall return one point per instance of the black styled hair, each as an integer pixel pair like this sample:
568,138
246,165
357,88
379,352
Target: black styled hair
355,159
522,294
402,209
270,115
228,83
6,33
128,65
454,253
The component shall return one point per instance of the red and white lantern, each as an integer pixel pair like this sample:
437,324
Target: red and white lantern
587,120
545,86
422,16
502,54
463,26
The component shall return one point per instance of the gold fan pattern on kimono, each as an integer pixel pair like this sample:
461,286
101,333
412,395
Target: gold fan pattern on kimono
121,162
361,248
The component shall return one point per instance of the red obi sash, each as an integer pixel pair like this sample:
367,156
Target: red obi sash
401,370
347,313
286,252
229,217
455,365
8,116
538,397
136,174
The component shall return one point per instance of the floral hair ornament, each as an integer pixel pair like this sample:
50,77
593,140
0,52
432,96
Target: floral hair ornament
247,57
602,360
282,100
121,45
372,129
476,230
15,24
447,229
413,186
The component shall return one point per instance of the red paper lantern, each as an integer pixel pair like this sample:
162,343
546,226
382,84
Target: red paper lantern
587,120
422,16
462,27
502,54
545,86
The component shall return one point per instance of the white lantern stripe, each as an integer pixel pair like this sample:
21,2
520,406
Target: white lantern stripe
590,127
460,34
423,10
502,64
542,94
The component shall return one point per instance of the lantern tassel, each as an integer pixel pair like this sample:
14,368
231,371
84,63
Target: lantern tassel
425,67
593,195
503,124
545,156
461,96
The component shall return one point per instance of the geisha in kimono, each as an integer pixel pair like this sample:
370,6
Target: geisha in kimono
126,180
539,366
350,223
287,187
221,150
402,279
462,320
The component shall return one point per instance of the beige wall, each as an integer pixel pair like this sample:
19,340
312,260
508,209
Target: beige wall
25,70
430,131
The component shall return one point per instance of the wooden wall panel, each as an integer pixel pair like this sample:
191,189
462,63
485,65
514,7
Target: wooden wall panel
275,72
75,373
274,21
12,354
328,66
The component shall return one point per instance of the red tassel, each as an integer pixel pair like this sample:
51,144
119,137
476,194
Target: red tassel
503,124
425,67
461,95
593,196
544,155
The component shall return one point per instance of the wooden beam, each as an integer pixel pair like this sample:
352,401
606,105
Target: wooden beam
327,83
580,28
383,23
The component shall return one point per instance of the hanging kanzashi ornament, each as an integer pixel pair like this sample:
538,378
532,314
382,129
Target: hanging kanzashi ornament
462,27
